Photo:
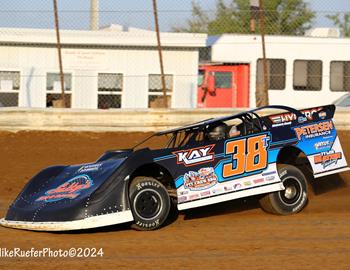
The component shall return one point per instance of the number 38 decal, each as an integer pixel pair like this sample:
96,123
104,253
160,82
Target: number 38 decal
248,155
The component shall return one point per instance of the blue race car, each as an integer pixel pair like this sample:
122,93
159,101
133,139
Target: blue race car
208,162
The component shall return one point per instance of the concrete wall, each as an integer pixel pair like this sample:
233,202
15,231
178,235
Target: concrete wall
119,120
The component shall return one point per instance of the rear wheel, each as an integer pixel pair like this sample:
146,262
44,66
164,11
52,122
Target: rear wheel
150,203
293,198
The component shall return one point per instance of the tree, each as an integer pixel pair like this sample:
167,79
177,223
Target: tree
342,23
287,17
199,22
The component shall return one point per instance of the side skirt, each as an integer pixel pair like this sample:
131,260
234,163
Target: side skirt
231,196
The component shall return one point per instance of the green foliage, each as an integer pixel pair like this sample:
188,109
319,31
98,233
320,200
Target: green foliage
282,17
342,23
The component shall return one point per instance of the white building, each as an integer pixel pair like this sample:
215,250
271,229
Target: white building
303,71
105,68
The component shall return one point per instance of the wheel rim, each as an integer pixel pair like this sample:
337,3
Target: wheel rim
147,204
292,192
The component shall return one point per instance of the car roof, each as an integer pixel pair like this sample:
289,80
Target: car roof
211,121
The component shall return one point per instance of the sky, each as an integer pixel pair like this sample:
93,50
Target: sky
135,13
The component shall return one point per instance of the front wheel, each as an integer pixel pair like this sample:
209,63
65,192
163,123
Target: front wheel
293,198
150,203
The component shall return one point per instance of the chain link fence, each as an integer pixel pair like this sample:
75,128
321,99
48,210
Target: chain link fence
116,65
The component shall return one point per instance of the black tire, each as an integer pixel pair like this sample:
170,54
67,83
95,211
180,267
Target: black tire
291,200
149,202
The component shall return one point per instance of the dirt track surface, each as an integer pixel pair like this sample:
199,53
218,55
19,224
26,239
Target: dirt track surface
233,235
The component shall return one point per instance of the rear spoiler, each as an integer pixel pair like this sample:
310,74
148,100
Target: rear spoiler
309,114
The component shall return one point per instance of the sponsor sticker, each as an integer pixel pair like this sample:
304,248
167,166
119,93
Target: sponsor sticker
68,190
322,145
194,156
90,168
182,199
203,179
322,115
258,181
327,159
205,193
247,183
270,178
217,190
237,186
228,188
194,196
314,130
288,117
184,192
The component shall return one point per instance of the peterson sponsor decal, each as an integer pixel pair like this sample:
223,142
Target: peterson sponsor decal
327,158
203,179
314,130
194,156
68,190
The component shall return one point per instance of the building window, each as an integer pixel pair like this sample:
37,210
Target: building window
9,88
155,90
340,76
110,86
223,79
53,89
307,75
276,69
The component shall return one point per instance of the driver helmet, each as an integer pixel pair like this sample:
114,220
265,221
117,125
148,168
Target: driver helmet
234,132
217,132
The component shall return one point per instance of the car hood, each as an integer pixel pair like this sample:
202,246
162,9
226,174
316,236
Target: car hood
62,192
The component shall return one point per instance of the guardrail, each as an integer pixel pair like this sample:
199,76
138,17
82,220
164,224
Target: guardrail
16,119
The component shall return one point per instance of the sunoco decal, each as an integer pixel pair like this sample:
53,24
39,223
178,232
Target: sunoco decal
327,158
68,190
195,156
203,179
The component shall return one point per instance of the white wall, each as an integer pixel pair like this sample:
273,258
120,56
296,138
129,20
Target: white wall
85,64
247,49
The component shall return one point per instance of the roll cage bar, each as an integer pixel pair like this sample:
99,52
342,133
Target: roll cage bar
246,117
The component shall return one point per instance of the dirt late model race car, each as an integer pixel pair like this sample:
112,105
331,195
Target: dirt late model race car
204,163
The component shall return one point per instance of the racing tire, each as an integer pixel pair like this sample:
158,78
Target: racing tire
150,203
293,198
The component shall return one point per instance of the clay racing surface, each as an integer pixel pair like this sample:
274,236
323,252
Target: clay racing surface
232,235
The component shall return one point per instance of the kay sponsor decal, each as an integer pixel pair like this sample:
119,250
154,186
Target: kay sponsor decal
327,159
68,190
195,156
315,130
203,179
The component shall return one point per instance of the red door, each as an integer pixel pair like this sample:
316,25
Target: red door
223,86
